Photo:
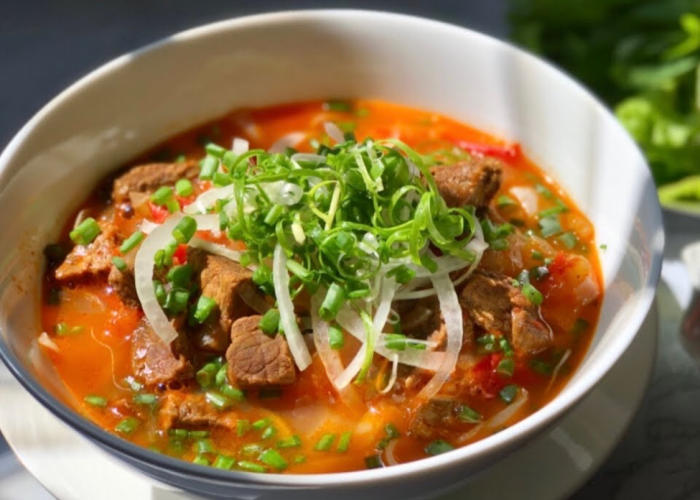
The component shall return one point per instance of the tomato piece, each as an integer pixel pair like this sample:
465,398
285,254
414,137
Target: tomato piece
158,213
180,254
507,153
486,378
185,200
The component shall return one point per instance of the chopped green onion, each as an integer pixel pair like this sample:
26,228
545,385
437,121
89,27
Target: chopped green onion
127,425
337,106
131,242
536,255
298,270
290,442
402,273
119,264
259,425
568,239
274,214
145,399
172,205
180,276
183,188
325,443
506,367
218,401
438,447
185,229
580,326
269,323
541,367
269,432
344,442
373,462
86,232
215,150
176,301
224,462
208,166
252,449
160,292
162,195
498,245
250,466
273,459
96,401
469,415
204,445
532,294
204,308
197,434
232,392
543,190
333,302
603,246
242,426
299,459
550,226
335,337
508,393
504,200
200,460
557,209
134,384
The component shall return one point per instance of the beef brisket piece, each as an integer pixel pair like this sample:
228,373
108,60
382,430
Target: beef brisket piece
256,359
470,182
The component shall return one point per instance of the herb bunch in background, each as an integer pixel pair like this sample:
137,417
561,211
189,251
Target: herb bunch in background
642,58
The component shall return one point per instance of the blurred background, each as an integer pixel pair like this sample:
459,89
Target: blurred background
640,57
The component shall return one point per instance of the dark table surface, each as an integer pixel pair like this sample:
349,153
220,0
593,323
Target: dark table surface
47,45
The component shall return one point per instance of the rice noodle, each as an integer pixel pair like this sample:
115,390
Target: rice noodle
555,372
334,132
498,420
208,198
280,278
286,141
452,313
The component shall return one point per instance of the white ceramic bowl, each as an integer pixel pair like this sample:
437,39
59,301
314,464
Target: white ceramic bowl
142,98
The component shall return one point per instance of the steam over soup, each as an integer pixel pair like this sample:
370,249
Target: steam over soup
320,287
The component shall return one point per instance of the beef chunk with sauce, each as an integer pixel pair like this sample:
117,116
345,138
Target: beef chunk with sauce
148,178
471,182
85,262
154,362
258,360
497,306
186,410
422,319
435,417
226,282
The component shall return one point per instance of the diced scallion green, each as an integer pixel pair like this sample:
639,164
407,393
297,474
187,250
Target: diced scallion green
162,195
269,323
469,415
325,443
273,459
205,306
119,263
438,447
86,232
127,425
344,442
508,393
335,337
131,242
290,442
185,229
183,187
96,401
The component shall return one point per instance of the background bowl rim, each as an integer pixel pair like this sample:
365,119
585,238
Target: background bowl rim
533,424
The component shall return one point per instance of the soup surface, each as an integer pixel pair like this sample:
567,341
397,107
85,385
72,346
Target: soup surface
321,297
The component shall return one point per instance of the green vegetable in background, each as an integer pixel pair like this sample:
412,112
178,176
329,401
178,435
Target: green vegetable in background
642,58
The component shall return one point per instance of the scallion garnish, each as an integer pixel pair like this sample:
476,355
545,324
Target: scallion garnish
185,229
250,466
145,399
224,462
344,442
96,401
131,242
269,323
469,415
204,445
119,263
506,367
335,337
259,425
162,195
269,432
373,462
183,187
242,426
86,232
127,425
273,459
180,276
205,306
438,447
208,166
290,442
325,443
568,239
504,200
335,298
550,226
200,460
508,393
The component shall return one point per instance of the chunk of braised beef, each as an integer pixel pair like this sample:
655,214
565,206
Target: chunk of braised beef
435,418
85,262
147,178
226,282
499,307
123,282
422,319
256,359
180,410
154,362
470,182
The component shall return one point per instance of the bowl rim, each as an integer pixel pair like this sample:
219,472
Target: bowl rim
531,425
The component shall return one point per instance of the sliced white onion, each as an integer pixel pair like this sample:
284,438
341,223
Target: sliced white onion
45,341
239,146
290,194
527,198
287,141
334,132
452,313
280,278
498,420
353,368
216,249
394,374
158,238
389,453
207,200
310,157
146,226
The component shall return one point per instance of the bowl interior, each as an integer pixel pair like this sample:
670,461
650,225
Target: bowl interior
140,99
